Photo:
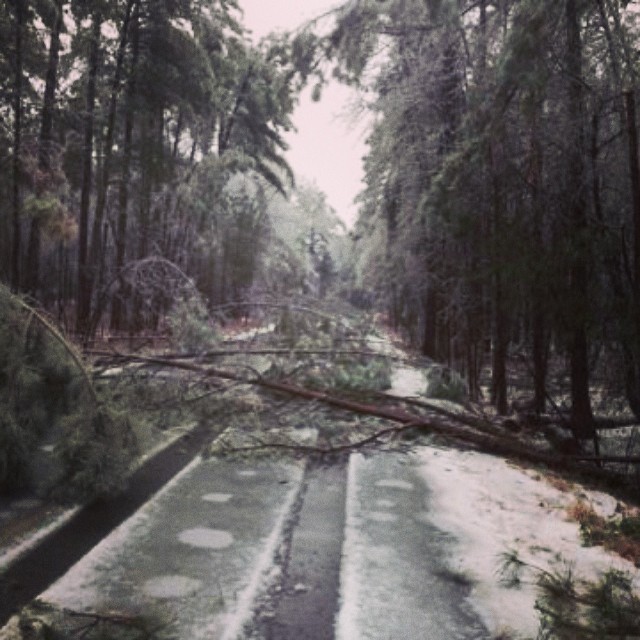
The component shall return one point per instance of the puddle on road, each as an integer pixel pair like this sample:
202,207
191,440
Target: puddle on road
171,586
217,497
205,538
395,484
247,473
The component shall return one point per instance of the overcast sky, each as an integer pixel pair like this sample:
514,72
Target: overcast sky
329,145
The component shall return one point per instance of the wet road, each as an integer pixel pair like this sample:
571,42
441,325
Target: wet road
280,549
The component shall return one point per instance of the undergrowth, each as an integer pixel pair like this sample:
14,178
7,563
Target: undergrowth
374,375
47,400
191,327
571,608
445,384
620,534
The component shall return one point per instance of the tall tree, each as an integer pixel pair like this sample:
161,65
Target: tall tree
577,312
84,273
20,8
45,143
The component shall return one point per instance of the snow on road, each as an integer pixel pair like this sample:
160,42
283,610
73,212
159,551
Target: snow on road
491,507
199,551
394,582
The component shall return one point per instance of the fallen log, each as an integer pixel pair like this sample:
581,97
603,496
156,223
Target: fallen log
465,434
256,352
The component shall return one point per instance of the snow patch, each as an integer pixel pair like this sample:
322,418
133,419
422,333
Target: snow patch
346,621
408,382
205,538
217,497
491,507
391,483
174,586
13,553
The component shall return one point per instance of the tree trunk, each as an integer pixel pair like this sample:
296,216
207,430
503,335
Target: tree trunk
632,350
84,272
634,171
117,306
539,339
500,347
20,10
98,233
578,309
429,339
44,146
500,324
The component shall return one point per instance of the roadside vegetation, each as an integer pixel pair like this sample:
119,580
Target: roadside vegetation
571,607
146,222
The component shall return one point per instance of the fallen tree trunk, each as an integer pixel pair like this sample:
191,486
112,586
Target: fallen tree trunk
258,352
464,430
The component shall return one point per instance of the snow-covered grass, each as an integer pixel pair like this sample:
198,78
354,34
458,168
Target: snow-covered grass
492,507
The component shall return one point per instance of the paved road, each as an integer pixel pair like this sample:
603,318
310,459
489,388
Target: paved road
279,549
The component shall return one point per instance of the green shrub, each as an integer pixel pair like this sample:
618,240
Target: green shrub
374,375
571,608
190,325
445,384
47,397
96,453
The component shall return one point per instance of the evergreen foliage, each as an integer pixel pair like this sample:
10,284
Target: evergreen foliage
46,398
571,607
501,206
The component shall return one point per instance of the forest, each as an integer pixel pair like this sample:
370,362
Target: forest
176,300
144,183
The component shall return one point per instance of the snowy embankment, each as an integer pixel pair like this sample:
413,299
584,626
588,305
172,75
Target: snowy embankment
490,507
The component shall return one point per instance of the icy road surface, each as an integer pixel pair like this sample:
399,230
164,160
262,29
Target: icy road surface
242,550
197,553
207,554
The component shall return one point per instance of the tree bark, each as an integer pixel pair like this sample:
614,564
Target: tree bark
117,307
578,309
44,146
97,235
84,268
500,323
539,339
20,10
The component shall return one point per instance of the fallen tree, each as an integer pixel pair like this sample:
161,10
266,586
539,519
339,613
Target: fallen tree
465,429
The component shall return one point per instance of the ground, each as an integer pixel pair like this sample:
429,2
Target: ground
403,541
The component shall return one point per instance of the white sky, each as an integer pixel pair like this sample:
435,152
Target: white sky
328,146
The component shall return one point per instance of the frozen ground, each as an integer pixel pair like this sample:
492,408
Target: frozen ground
489,507
423,536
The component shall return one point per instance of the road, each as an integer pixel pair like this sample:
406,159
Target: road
276,549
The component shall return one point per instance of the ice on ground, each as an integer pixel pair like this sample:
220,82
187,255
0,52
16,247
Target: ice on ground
204,565
491,507
391,583
174,586
219,498
254,333
408,382
392,483
206,538
381,516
